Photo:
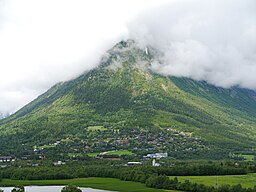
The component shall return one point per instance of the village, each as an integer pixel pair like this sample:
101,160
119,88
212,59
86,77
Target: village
133,146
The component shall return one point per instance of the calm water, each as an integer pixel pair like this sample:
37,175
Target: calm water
50,189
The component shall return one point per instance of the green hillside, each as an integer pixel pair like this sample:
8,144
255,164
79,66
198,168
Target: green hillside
133,109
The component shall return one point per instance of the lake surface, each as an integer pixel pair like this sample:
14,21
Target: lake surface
50,189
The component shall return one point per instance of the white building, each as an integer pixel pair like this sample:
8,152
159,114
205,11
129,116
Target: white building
156,155
134,163
155,164
4,159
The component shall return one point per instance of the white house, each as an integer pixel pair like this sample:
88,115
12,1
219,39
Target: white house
156,155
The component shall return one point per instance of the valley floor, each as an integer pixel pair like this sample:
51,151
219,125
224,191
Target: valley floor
96,183
246,181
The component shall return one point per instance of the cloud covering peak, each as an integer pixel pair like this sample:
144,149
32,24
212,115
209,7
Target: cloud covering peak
212,40
45,42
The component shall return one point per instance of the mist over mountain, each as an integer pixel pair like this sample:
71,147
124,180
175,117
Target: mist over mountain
210,40
2,116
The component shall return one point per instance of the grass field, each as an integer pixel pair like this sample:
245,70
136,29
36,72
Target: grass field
248,157
97,183
120,152
96,128
92,154
45,147
246,181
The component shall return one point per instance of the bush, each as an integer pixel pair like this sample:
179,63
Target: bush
18,189
71,188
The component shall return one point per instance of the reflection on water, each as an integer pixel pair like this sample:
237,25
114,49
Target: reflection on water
49,189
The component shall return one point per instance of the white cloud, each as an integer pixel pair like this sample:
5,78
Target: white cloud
212,40
44,42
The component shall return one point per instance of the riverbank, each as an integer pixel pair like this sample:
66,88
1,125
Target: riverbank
96,183
51,188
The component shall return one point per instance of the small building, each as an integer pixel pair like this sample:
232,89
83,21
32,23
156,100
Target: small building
58,163
6,159
156,156
26,157
42,157
155,164
134,163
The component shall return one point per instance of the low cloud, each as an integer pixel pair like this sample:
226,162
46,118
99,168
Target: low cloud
212,40
45,42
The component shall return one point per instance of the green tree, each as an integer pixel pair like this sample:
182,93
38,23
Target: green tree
71,188
160,182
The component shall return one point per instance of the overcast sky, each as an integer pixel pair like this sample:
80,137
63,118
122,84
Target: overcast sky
43,42
212,40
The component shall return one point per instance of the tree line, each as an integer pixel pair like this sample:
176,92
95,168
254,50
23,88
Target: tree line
154,177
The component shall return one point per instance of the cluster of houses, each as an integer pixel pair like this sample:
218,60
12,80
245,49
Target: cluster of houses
135,140
7,159
154,157
140,140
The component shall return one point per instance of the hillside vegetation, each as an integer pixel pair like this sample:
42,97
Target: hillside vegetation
123,100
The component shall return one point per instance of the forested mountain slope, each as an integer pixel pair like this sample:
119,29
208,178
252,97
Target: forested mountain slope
123,96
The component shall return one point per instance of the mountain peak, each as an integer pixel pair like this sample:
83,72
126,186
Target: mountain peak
125,44
155,112
127,53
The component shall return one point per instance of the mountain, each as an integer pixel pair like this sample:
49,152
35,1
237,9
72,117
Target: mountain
123,104
3,115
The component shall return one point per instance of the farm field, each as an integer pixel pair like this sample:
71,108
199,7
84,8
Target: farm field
248,157
96,128
246,181
119,152
96,183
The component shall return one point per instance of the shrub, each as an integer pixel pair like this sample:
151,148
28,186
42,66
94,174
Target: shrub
71,188
18,189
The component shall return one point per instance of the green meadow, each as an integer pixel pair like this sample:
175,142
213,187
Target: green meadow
97,183
248,157
246,181
96,128
119,152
